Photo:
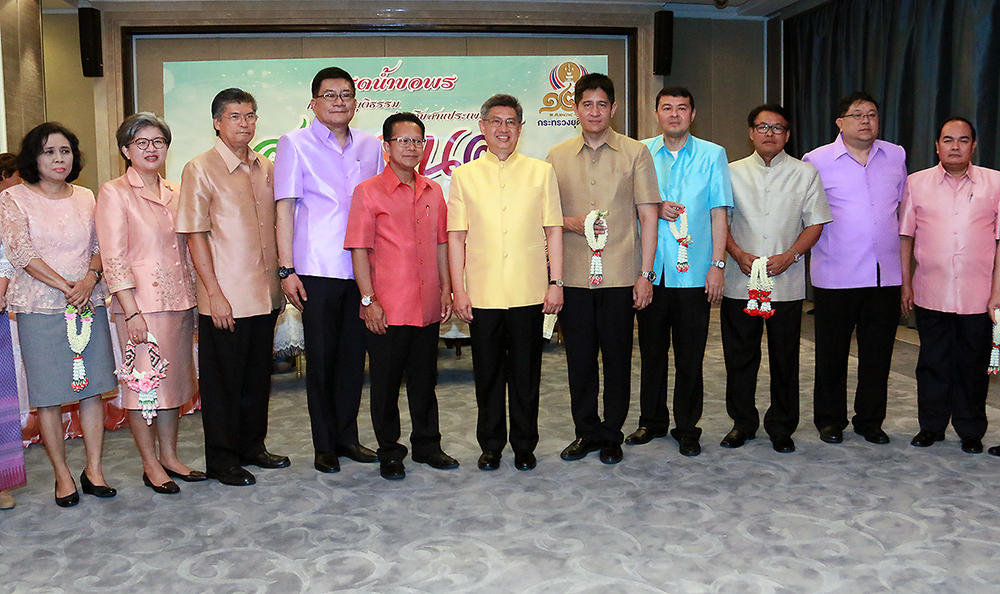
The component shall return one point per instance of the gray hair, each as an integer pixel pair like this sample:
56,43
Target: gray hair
501,100
136,122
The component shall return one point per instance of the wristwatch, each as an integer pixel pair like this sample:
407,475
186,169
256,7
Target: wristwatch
796,254
720,264
284,273
97,273
648,275
556,281
367,300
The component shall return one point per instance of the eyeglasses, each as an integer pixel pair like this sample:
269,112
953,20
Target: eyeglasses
344,96
870,116
776,128
236,117
497,122
143,143
407,142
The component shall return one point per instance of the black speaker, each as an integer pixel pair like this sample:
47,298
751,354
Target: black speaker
663,42
90,41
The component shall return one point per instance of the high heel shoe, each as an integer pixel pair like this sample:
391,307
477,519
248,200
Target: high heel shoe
96,490
167,488
69,500
195,476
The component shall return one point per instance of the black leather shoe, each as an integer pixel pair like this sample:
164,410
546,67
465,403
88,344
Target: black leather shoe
643,435
358,453
195,476
831,434
925,439
392,470
69,500
439,460
579,449
876,435
167,488
995,450
972,445
524,460
326,462
237,476
689,446
96,490
611,453
489,460
783,445
266,459
736,439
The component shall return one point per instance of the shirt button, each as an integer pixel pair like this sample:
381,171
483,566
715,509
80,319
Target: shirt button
593,182
505,254
503,208
503,185
505,232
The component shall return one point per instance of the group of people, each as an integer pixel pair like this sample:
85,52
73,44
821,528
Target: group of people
606,232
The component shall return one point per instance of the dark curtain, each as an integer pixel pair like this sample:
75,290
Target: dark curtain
922,60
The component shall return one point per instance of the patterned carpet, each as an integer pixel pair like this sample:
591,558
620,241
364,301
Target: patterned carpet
845,519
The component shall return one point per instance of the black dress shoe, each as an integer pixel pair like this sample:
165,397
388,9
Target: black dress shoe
167,488
195,476
69,500
689,446
96,490
237,476
972,445
736,439
643,435
326,462
524,460
489,460
925,439
831,434
579,449
783,445
995,450
611,453
266,459
439,460
876,435
358,453
392,470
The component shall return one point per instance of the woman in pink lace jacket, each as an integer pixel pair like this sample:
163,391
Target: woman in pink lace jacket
150,275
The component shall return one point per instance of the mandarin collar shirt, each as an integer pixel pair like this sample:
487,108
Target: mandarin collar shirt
504,206
954,226
233,203
698,178
614,177
311,167
401,227
860,247
771,206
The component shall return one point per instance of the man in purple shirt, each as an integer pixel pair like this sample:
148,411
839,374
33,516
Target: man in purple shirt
855,269
315,171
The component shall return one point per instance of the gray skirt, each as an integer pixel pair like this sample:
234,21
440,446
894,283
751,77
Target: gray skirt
48,360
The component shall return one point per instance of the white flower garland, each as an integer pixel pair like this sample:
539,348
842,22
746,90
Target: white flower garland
596,243
144,383
683,239
995,351
759,288
78,341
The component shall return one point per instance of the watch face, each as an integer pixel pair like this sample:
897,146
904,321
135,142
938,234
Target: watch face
366,300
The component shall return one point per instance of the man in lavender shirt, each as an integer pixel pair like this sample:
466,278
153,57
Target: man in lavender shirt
315,171
855,269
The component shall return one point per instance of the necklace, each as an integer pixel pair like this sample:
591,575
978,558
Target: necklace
78,341
994,367
683,239
759,290
596,243
144,383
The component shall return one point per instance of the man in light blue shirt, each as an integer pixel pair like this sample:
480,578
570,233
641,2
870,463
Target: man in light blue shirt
693,176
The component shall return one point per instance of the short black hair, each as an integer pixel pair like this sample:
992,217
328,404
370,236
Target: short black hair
34,143
845,103
8,165
773,108
674,92
957,119
594,81
327,74
227,97
391,121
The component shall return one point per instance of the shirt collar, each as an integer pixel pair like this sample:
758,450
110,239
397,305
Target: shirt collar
970,173
840,148
136,182
230,158
323,133
613,141
775,160
391,181
496,160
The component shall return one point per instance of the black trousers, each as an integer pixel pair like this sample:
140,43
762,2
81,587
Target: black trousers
951,371
235,381
874,312
412,351
681,315
595,320
335,351
741,336
507,362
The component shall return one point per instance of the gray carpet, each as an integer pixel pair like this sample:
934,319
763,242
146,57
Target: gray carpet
852,518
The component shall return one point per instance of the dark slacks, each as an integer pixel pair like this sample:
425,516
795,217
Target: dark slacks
680,315
951,371
595,320
235,382
507,363
874,312
412,351
741,336
335,351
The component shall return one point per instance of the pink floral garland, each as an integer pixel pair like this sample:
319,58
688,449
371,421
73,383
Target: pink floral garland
144,383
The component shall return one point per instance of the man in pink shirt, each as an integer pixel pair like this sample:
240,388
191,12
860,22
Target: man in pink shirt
397,234
949,226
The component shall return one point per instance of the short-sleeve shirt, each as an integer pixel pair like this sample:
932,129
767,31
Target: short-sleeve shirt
311,167
504,206
233,202
771,206
698,178
614,177
954,226
401,227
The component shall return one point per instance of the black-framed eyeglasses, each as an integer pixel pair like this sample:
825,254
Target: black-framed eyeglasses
143,143
776,128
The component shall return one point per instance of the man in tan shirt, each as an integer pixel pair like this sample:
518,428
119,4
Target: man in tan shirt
227,210
603,171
